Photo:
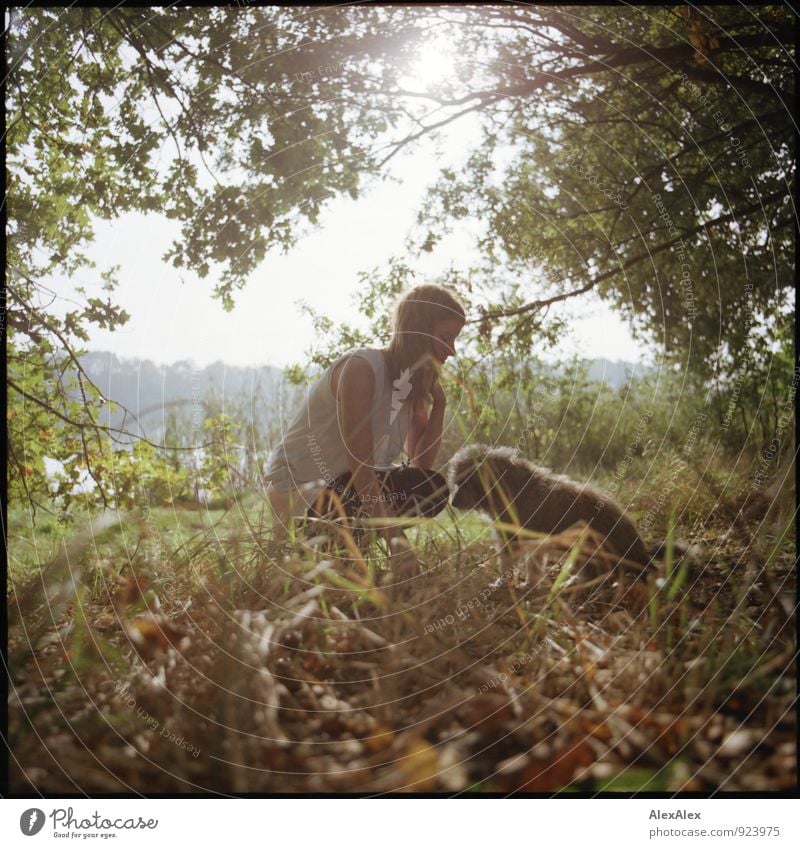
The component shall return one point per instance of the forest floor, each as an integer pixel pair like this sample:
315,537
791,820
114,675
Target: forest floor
189,652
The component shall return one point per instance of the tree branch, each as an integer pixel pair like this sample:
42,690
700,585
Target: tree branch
106,428
533,305
635,260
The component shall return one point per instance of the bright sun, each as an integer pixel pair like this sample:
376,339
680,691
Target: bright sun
435,63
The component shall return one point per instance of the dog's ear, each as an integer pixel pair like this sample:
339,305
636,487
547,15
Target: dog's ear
460,495
461,487
466,490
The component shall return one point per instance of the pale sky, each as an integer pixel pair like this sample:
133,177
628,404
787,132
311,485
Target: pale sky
174,316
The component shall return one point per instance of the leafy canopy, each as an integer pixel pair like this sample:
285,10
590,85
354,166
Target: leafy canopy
644,153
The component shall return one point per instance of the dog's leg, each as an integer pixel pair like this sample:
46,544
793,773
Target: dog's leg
508,552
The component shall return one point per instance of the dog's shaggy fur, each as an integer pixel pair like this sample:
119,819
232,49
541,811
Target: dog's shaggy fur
517,492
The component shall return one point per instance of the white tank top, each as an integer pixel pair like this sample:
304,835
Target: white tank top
312,447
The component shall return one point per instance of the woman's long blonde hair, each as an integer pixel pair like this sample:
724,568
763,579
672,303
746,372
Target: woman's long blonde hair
416,313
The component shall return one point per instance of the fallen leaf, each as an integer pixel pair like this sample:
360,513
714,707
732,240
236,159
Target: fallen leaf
153,633
556,771
420,766
737,743
129,590
487,711
381,739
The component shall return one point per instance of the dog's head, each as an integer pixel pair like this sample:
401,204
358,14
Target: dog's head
473,473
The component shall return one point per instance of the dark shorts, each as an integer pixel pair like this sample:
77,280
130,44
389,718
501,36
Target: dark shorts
404,490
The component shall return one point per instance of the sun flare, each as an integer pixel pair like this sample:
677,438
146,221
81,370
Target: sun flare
435,63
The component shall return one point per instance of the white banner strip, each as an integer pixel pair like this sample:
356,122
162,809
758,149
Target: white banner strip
404,822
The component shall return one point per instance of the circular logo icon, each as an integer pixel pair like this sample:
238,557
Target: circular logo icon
31,821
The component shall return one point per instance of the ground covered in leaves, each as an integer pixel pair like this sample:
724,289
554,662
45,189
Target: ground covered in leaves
233,664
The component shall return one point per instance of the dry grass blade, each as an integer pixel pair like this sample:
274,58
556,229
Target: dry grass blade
42,603
301,676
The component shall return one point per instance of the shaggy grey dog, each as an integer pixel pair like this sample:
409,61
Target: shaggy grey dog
515,491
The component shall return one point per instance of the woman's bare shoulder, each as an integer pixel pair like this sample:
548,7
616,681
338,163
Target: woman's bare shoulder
357,375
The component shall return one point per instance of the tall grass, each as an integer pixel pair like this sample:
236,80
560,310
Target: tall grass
235,663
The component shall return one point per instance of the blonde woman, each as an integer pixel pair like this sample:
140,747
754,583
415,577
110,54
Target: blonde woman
369,406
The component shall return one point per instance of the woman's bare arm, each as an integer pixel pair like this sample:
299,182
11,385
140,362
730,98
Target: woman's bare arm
417,422
425,431
354,390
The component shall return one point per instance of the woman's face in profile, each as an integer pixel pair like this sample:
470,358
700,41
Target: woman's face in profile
443,338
